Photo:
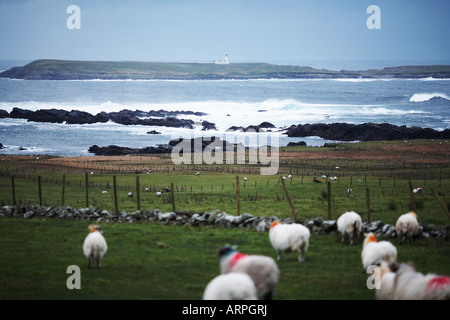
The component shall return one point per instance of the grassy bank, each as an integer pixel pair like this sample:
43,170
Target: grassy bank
147,261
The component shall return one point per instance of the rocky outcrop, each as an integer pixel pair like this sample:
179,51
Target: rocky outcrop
262,127
364,132
126,117
113,150
215,218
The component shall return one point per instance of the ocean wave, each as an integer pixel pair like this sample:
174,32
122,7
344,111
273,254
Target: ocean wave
422,97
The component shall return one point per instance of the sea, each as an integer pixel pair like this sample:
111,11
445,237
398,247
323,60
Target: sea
410,102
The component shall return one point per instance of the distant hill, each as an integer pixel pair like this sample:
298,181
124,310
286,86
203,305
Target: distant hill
116,70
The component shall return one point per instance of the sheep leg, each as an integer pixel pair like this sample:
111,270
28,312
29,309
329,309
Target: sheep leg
278,255
98,262
91,261
287,256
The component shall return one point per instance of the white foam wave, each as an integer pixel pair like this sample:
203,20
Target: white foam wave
422,97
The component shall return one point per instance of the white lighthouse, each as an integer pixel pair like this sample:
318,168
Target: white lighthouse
224,61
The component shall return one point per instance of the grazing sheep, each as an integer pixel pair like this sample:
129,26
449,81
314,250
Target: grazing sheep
387,278
407,226
404,282
374,250
158,194
231,286
104,192
289,176
94,246
349,192
197,174
147,189
289,238
349,225
130,194
245,178
262,269
418,190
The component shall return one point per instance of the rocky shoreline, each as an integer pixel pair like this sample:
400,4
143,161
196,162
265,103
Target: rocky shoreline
125,117
364,132
216,218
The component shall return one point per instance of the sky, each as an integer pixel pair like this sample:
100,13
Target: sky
281,31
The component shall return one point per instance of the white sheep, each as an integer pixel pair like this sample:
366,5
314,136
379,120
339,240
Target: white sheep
231,286
387,279
407,226
158,193
374,250
418,190
262,269
349,192
130,194
94,246
349,225
289,238
104,192
245,178
404,282
197,174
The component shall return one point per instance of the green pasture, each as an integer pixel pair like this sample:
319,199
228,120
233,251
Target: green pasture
151,261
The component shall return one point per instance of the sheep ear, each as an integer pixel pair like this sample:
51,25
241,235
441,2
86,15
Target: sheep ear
394,267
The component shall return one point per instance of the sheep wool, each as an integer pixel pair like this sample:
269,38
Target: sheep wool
231,286
374,250
289,238
409,284
407,226
262,269
94,246
349,225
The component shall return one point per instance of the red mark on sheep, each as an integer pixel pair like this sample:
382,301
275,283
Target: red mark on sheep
438,282
236,258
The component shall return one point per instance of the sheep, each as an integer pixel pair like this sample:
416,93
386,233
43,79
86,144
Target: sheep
407,226
158,194
404,282
147,189
289,177
289,238
387,278
104,192
349,192
245,178
349,225
417,190
130,194
262,269
231,286
94,246
197,174
374,250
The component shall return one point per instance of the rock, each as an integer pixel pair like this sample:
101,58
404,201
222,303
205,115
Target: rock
299,143
364,132
153,132
28,215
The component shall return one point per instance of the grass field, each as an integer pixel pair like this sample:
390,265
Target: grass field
148,261
151,261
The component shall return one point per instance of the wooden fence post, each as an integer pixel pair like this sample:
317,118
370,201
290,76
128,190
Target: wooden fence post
116,205
172,196
13,186
329,199
411,196
63,189
138,193
441,203
368,204
86,189
289,200
40,191
237,197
